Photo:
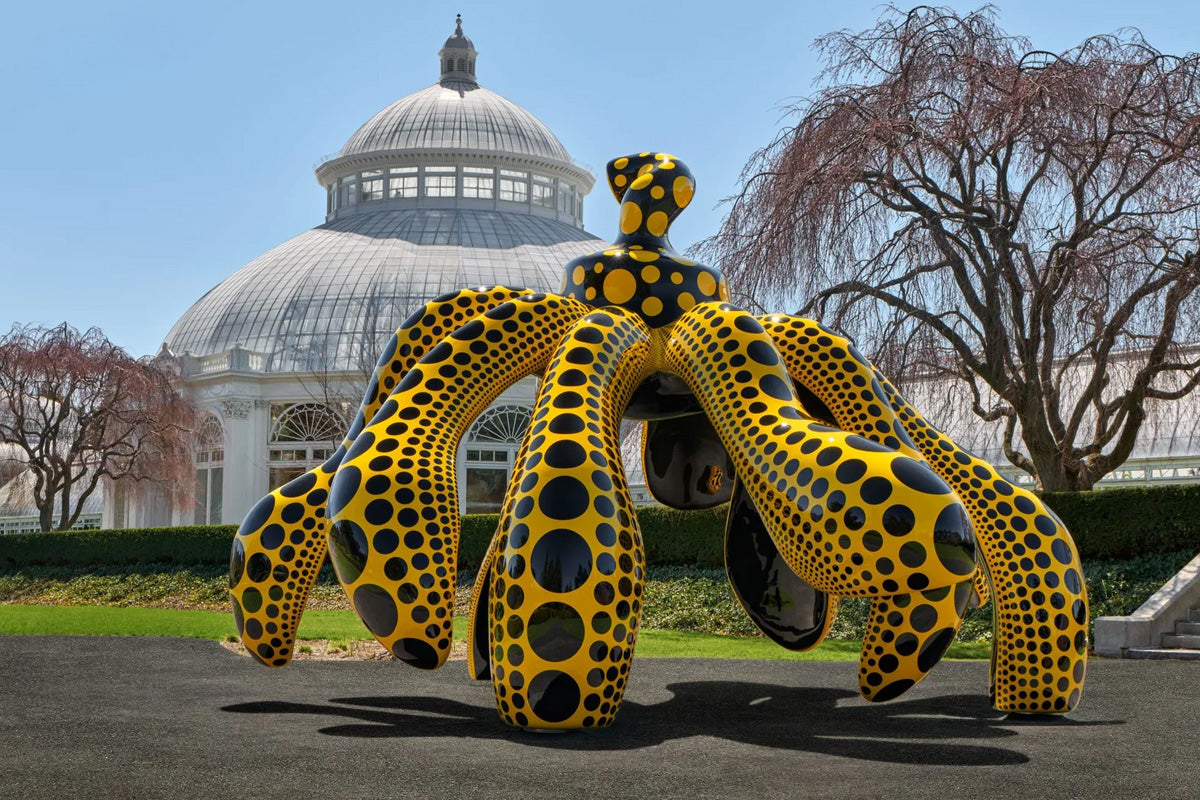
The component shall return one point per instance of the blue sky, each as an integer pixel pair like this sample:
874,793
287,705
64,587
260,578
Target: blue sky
152,148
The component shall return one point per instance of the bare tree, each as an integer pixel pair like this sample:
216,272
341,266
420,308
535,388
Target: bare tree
79,411
970,208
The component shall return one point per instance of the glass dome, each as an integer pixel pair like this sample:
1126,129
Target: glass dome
450,187
328,298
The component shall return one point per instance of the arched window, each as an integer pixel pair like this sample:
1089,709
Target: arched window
492,444
462,65
210,471
449,65
303,435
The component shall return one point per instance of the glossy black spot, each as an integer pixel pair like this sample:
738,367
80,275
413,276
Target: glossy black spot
395,569
565,454
252,600
258,568
378,512
299,486
1061,551
918,477
934,649
564,497
416,652
348,549
386,541
555,631
272,536
893,690
775,386
566,423
762,352
237,563
898,520
553,695
912,554
376,608
954,540
923,617
747,323
850,470
828,456
875,490
561,561
257,516
345,486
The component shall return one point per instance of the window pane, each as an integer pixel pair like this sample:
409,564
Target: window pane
214,493
485,489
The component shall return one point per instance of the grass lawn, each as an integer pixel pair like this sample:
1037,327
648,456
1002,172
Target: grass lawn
342,626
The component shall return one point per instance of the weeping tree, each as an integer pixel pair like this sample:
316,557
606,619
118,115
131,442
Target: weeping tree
76,410
975,210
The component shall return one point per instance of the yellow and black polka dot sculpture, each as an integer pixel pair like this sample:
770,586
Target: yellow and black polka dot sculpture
837,488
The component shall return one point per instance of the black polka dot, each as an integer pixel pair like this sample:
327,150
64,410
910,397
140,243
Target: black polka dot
564,497
257,516
565,454
774,386
762,352
866,445
258,568
954,541
385,541
299,486
345,486
237,563
934,649
416,652
555,631
561,561
378,512
272,536
923,617
553,695
376,608
252,600
918,476
898,520
850,470
348,549
875,490
912,554
828,456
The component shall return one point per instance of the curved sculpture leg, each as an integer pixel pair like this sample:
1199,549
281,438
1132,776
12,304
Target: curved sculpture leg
1039,646
282,543
828,366
567,587
393,505
784,607
1040,642
849,516
919,629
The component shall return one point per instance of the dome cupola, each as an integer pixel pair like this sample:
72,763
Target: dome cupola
457,57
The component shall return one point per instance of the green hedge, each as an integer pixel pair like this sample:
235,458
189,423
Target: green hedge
1124,523
195,544
1112,524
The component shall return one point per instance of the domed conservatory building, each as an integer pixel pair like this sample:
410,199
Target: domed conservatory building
452,186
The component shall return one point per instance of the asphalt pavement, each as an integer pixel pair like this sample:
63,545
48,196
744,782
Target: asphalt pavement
115,717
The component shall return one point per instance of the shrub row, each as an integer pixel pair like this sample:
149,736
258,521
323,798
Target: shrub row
1124,523
1113,524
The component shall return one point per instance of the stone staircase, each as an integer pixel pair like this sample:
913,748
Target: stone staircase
1184,643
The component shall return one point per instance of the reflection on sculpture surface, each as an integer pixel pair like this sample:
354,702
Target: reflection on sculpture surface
836,486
